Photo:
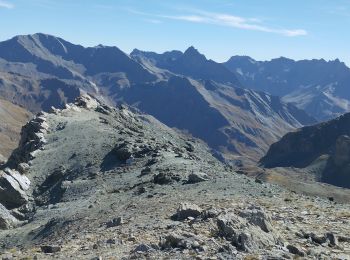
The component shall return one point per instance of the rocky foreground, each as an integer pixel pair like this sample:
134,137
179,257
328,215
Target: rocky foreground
95,182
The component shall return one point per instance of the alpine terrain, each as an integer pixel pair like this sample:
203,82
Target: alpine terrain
90,181
129,131
183,90
319,87
320,152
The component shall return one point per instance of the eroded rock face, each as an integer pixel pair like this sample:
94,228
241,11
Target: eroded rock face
326,145
12,189
256,216
6,219
32,140
248,231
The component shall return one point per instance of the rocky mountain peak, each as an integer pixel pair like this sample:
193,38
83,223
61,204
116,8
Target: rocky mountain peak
193,54
192,51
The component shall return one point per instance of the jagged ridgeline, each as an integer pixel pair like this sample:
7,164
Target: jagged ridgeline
319,87
90,180
183,90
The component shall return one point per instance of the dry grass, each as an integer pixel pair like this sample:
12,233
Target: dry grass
12,118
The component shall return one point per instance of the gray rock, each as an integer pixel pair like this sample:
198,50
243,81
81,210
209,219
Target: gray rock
22,180
184,241
210,213
143,248
186,210
147,170
333,240
86,101
17,214
344,239
319,239
256,216
295,251
23,168
113,241
164,178
123,153
115,222
245,234
11,193
316,238
50,249
197,177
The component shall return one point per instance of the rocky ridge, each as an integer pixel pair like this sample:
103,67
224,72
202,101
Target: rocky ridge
109,182
320,151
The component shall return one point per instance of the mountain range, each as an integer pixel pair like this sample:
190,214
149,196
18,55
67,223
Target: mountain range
319,87
126,155
183,90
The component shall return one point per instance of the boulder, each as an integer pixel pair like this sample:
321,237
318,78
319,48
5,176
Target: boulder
209,213
256,216
123,152
164,178
295,250
23,168
344,239
143,248
50,249
196,177
186,210
333,240
183,241
246,234
12,193
115,222
145,171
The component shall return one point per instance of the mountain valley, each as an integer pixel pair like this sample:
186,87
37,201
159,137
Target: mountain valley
40,71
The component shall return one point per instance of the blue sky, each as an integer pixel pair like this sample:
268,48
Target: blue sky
263,29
